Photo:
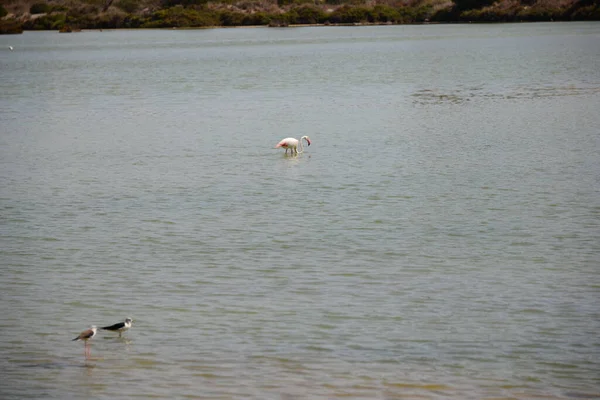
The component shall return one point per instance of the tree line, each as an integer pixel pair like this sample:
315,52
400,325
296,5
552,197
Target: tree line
123,14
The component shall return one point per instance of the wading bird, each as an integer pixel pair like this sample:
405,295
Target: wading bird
85,336
120,326
292,144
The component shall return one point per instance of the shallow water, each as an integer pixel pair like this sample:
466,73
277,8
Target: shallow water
440,238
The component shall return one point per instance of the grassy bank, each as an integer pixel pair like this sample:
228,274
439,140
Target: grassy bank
73,15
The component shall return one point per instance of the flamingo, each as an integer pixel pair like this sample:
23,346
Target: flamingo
292,144
85,336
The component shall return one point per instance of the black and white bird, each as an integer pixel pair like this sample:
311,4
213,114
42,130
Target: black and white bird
86,335
120,326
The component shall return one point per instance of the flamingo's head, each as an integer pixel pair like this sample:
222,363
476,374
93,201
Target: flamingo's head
307,139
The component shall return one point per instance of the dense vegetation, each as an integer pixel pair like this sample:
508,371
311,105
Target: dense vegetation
70,15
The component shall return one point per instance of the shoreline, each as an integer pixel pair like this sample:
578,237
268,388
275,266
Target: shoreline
290,26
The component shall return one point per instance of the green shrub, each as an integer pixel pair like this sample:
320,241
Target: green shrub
82,11
462,5
110,21
184,3
587,13
539,13
181,17
95,3
81,20
349,15
3,11
285,19
59,22
310,15
383,13
281,3
10,27
39,8
46,22
231,18
259,18
133,21
129,6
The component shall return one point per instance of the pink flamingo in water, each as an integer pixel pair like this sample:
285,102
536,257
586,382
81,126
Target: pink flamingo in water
292,144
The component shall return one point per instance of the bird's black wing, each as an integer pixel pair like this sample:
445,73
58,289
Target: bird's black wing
114,327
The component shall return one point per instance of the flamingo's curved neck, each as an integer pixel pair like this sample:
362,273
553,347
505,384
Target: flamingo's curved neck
300,146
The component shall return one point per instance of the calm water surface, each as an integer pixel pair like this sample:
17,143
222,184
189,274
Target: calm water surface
439,240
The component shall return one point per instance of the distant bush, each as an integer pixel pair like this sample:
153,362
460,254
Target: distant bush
107,21
587,13
383,13
462,5
349,15
39,8
46,22
539,13
184,3
3,12
231,18
10,27
281,3
95,3
237,18
87,14
129,6
133,21
83,11
181,17
310,15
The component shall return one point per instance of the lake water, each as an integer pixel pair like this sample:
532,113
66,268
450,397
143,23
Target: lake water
440,239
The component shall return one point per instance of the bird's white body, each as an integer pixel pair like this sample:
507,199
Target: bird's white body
292,144
10,48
